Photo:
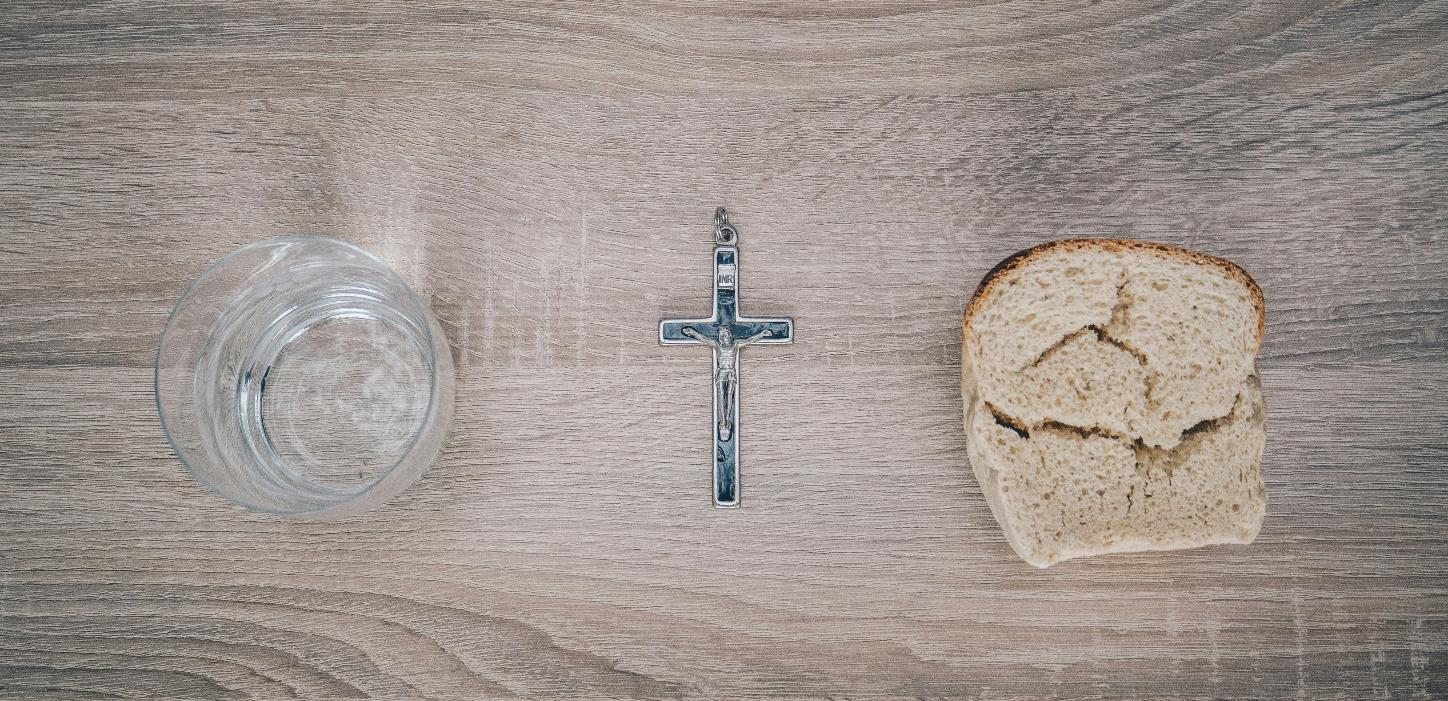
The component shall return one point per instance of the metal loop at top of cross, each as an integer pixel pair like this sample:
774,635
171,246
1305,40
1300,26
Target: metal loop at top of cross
724,233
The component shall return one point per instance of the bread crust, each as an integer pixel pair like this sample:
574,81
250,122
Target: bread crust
1015,261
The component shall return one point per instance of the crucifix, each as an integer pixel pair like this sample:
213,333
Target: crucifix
726,332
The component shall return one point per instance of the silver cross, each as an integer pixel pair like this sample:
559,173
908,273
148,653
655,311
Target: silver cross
726,332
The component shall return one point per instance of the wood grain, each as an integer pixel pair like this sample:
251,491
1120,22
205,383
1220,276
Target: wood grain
544,174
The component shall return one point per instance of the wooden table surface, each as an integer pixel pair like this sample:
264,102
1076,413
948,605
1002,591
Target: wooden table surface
544,176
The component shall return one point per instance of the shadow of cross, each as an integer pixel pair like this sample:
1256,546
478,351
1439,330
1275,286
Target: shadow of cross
726,332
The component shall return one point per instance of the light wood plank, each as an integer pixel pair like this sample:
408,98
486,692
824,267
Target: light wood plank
560,230
865,560
191,49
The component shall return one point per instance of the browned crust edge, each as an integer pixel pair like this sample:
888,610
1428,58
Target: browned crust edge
1020,258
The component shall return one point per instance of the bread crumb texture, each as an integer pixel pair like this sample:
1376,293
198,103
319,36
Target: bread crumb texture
1112,399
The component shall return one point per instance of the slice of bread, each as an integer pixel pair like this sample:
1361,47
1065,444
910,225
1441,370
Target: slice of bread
1112,402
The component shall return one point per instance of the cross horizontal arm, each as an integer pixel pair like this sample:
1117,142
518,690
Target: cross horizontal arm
741,331
671,331
763,330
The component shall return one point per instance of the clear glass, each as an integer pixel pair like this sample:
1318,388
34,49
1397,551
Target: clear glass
302,376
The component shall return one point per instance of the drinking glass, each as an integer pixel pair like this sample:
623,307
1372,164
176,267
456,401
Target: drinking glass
302,376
